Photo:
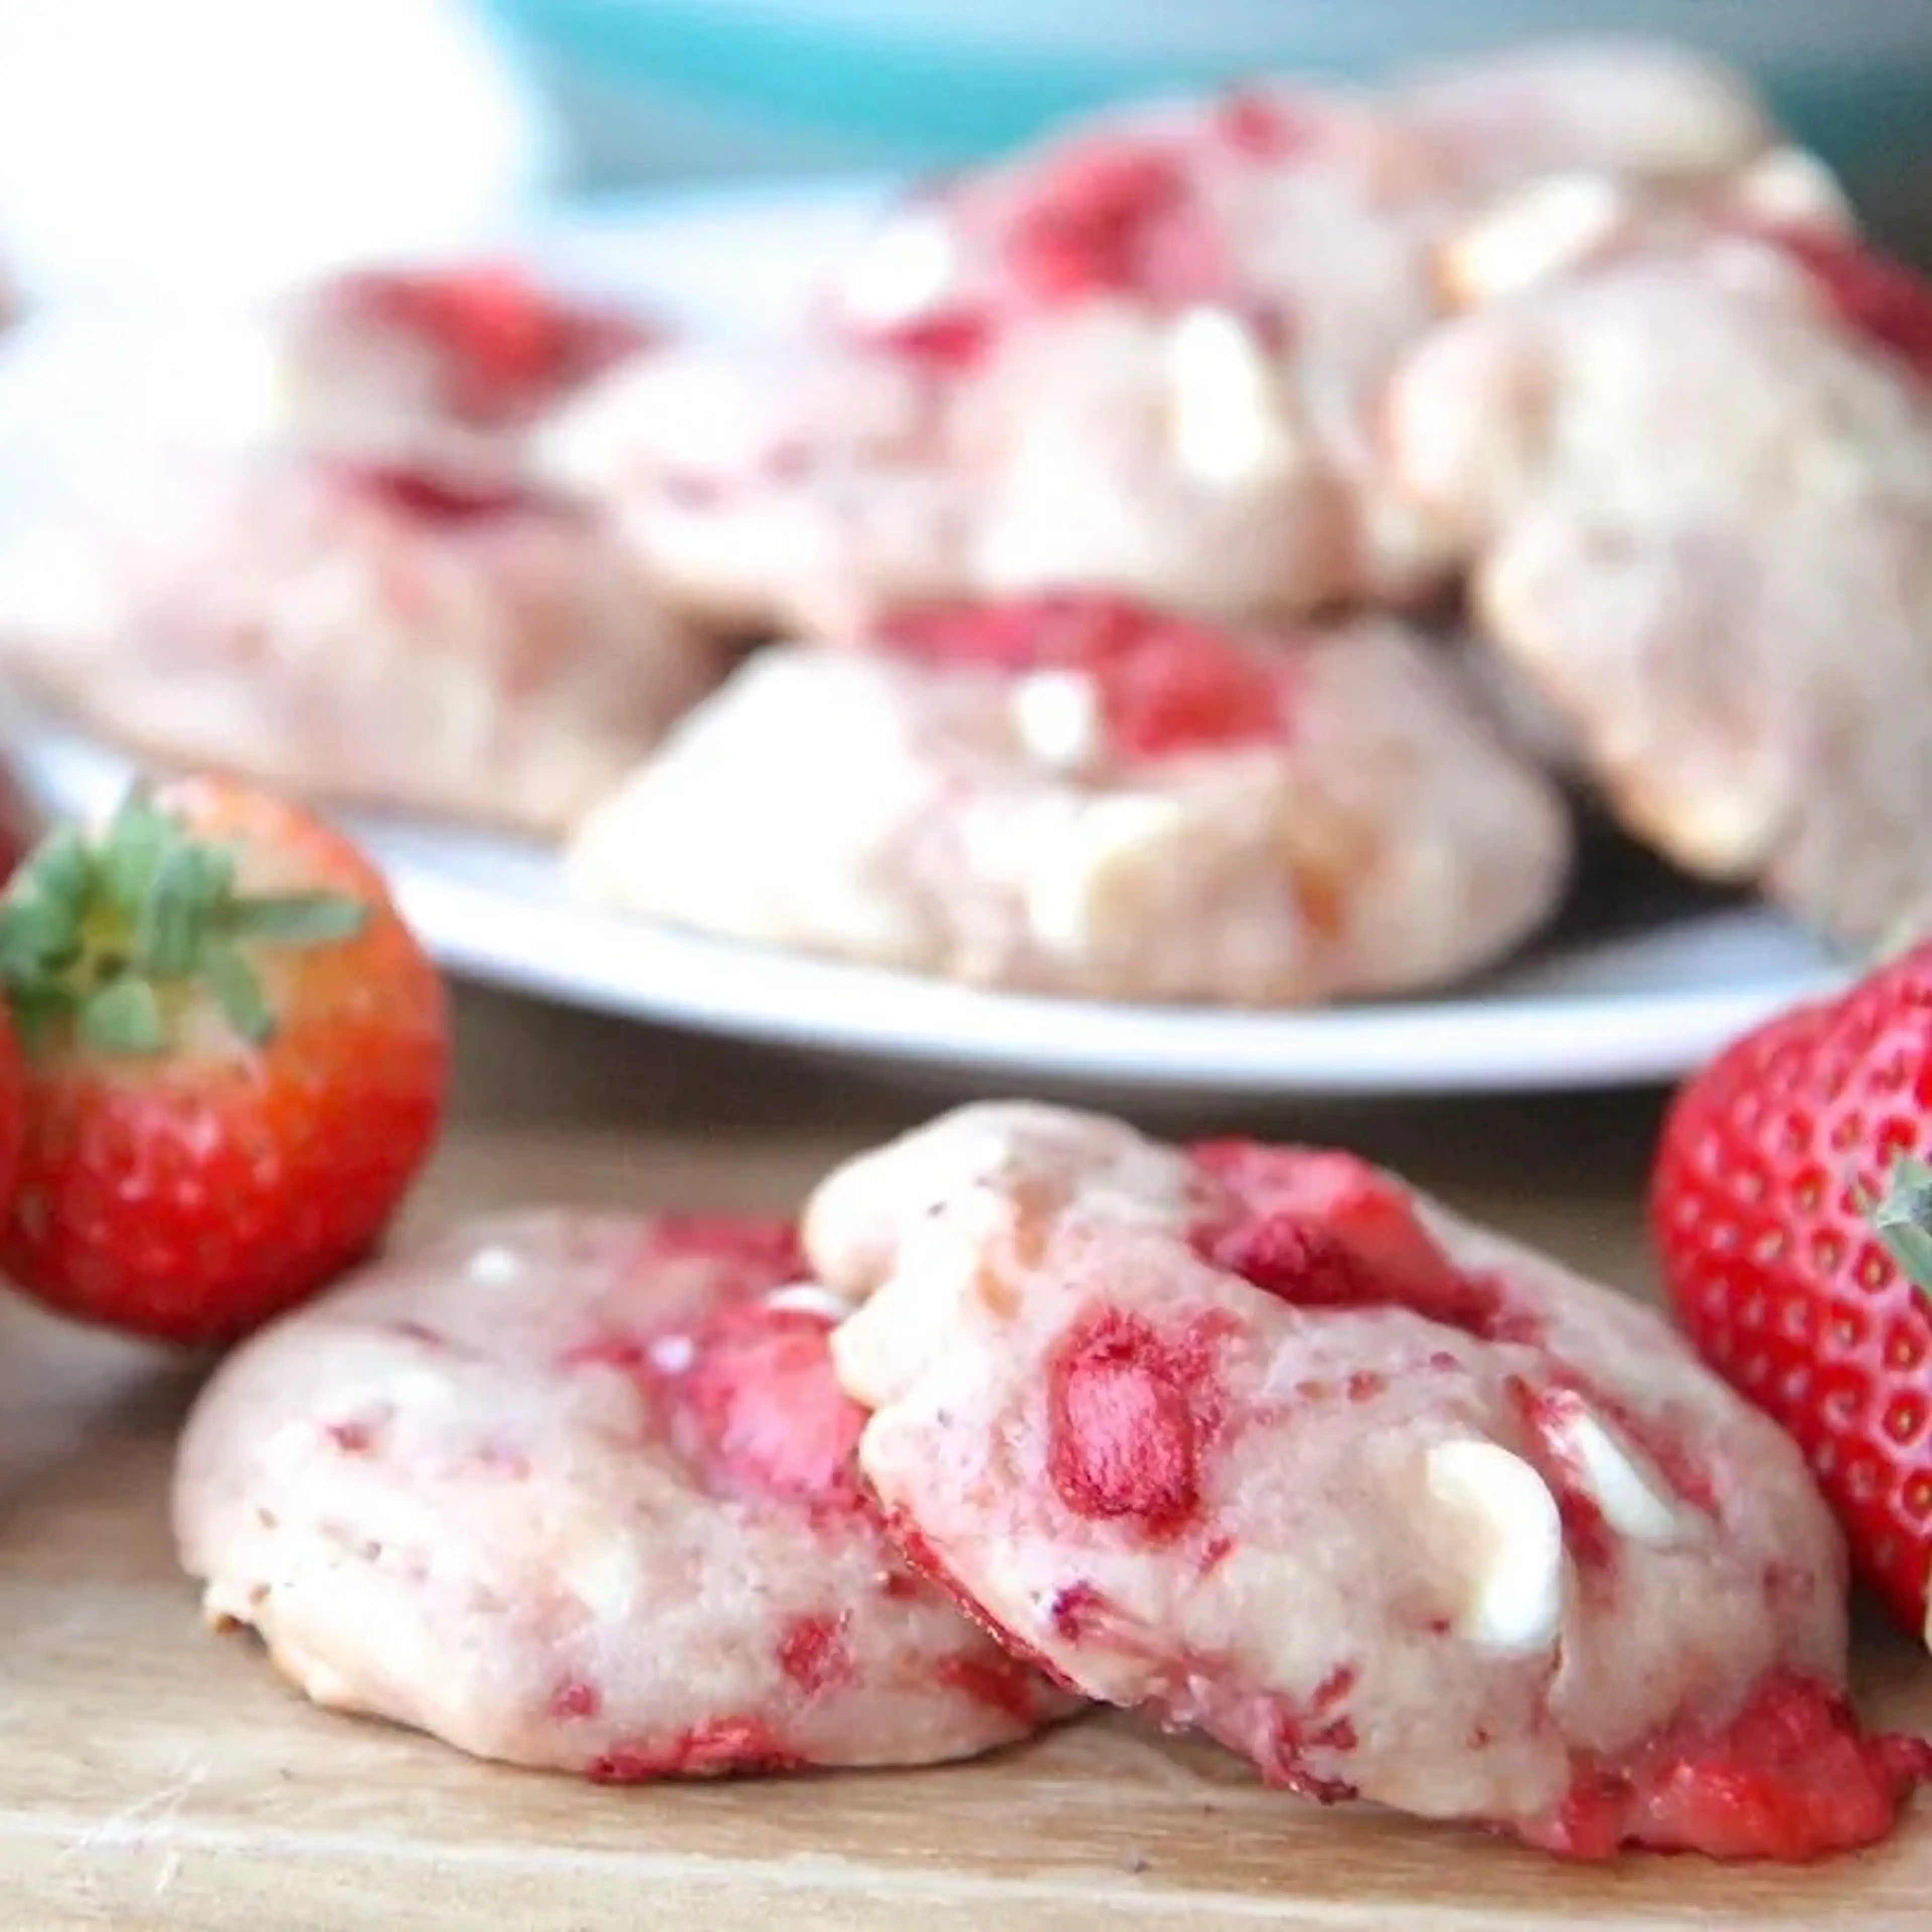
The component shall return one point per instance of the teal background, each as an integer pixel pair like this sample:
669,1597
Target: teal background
652,89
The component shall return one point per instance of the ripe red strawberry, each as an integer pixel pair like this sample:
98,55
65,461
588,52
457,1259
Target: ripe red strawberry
1786,1188
236,1060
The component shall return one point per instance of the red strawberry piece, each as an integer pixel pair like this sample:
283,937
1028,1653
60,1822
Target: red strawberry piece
1115,218
1885,301
1787,1182
425,498
1166,685
1260,127
1789,1778
763,1411
510,344
949,342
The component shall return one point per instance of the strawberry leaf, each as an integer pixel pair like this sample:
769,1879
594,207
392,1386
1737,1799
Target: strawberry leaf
173,911
59,874
1903,1220
296,919
123,1017
239,994
109,929
119,869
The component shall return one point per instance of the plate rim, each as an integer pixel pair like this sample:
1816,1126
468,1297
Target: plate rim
587,956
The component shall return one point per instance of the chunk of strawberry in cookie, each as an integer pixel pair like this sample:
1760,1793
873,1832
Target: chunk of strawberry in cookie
1115,218
1886,302
1262,1442
1789,1776
497,345
441,501
1164,685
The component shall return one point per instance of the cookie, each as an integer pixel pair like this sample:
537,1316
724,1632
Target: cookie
1716,562
1144,356
375,635
1258,1440
576,1491
1079,796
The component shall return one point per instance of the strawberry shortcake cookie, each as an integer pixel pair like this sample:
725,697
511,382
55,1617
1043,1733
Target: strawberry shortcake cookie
1259,1441
1146,356
375,635
1694,486
577,1491
1075,796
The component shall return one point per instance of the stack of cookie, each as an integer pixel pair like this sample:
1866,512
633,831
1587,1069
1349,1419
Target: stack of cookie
1037,1414
1204,557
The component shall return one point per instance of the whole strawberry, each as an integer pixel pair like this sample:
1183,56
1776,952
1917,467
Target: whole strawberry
1793,1220
236,1057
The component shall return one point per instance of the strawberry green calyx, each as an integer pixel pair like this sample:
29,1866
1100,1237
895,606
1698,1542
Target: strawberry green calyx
1903,1220
97,932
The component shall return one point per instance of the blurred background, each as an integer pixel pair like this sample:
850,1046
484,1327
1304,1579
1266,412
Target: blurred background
187,141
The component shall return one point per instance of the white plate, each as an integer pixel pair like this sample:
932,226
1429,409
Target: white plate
1628,995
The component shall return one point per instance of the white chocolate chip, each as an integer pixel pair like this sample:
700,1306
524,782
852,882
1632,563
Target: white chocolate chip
1790,185
1633,1498
1057,715
1225,404
602,1574
903,271
1530,237
1085,887
494,1267
672,1354
809,1298
1496,1523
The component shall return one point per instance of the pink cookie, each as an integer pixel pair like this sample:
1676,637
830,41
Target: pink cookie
1694,488
1079,796
1260,1440
576,1491
372,634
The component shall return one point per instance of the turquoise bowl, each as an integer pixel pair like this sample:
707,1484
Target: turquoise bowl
648,89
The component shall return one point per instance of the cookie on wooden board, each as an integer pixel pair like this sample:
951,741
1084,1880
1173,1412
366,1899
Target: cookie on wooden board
575,1490
1259,1441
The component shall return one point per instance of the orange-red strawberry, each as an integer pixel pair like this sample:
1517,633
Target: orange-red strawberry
1793,1220
236,1057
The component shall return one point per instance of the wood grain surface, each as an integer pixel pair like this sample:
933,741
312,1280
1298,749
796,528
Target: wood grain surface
153,1775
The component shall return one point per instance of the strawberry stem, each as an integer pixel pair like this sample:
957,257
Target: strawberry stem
95,933
1902,1219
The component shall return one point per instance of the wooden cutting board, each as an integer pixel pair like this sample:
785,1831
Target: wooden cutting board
153,1775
